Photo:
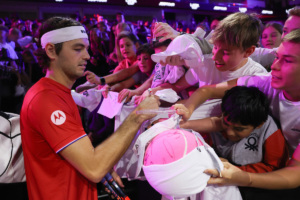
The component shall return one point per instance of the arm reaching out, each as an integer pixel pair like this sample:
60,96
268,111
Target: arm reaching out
208,92
285,178
94,163
165,31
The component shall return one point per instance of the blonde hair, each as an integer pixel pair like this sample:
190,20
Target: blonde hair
238,29
294,11
293,36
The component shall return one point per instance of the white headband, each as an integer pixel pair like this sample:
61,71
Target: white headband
63,35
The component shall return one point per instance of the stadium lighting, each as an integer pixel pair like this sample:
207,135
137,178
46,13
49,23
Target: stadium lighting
164,3
194,6
131,2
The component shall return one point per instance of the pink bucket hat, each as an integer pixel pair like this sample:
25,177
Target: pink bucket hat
174,163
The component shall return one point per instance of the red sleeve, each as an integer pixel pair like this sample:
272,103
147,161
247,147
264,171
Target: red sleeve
276,155
57,119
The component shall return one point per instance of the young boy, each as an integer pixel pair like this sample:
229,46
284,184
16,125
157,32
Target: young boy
245,135
234,41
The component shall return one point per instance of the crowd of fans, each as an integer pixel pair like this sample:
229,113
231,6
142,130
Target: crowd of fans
20,68
120,60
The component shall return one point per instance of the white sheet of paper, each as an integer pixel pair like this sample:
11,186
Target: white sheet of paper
110,106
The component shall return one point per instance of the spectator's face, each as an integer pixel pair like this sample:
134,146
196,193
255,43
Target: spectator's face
286,68
292,23
72,60
127,48
145,63
236,131
271,38
228,58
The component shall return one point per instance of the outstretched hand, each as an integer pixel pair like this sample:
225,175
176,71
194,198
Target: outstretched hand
92,78
165,31
175,60
149,103
126,93
230,175
182,111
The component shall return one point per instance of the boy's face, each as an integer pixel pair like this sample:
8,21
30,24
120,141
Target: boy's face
145,63
228,58
286,68
236,131
292,23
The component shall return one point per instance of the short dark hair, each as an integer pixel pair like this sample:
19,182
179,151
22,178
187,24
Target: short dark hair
145,48
51,24
157,44
245,105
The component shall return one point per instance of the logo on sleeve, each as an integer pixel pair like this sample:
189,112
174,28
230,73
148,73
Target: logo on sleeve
58,117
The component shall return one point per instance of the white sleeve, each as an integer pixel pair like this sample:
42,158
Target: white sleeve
264,56
191,77
12,53
255,81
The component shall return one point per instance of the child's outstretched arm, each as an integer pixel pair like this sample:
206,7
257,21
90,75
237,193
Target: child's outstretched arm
112,78
285,178
127,93
206,125
207,92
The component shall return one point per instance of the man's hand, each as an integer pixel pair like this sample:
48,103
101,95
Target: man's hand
149,103
165,31
117,178
92,78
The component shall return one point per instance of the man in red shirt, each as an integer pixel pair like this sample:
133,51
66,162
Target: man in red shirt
60,161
